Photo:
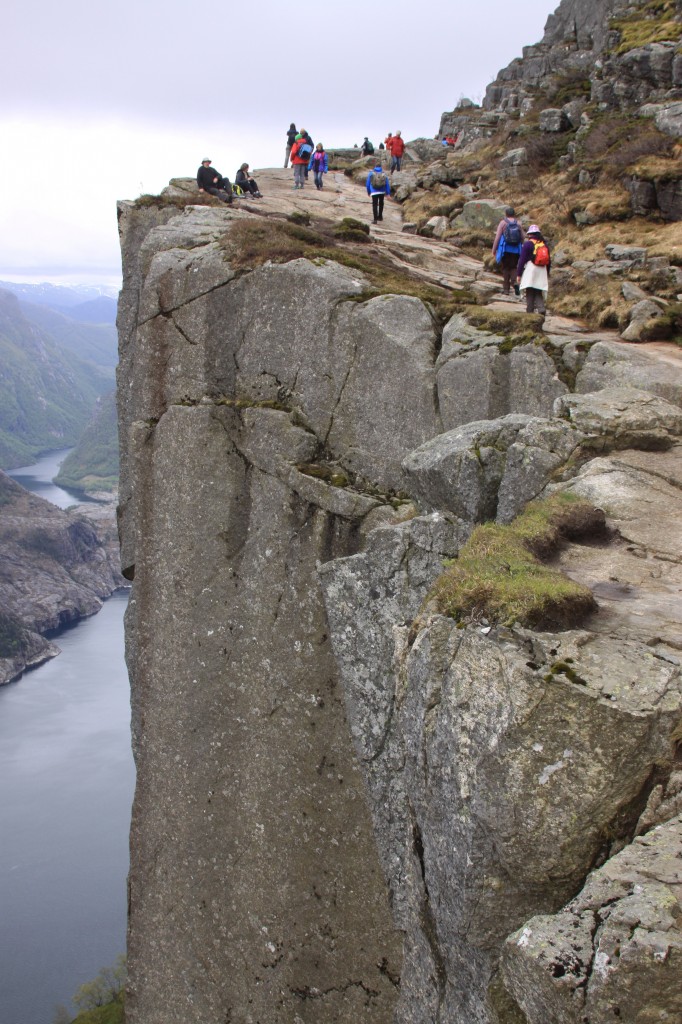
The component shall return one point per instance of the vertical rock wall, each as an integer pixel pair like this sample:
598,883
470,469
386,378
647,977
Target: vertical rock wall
256,892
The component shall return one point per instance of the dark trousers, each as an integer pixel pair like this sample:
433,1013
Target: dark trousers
221,194
248,186
396,163
378,206
508,263
535,300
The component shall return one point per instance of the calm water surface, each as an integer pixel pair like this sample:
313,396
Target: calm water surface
66,786
38,478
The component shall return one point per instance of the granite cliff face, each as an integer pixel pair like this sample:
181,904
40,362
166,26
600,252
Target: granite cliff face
351,806
347,803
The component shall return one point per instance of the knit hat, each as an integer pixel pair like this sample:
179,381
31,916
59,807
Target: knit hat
533,230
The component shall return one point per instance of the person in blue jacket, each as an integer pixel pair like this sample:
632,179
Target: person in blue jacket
378,187
318,164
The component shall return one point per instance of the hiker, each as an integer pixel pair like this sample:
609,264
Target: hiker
367,148
246,182
301,152
509,238
291,138
310,142
388,141
397,149
318,164
378,187
532,272
209,180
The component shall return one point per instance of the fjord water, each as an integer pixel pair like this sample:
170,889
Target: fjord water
66,787
38,479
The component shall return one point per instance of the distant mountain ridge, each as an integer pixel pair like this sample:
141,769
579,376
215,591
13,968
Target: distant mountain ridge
59,296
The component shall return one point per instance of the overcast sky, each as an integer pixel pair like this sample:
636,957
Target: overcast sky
105,101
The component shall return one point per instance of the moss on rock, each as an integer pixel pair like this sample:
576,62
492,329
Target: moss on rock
498,574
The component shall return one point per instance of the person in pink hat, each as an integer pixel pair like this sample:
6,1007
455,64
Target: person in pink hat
532,272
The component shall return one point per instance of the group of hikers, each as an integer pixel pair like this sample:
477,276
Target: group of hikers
523,255
524,259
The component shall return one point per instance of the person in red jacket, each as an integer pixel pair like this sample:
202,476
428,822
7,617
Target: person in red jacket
397,150
301,152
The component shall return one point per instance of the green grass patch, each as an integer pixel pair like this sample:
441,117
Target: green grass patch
515,328
655,22
191,199
251,243
499,575
351,230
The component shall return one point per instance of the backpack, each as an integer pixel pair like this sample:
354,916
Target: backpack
378,181
540,256
304,150
512,235
369,148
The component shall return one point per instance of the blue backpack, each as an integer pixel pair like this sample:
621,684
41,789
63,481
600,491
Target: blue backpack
304,150
512,236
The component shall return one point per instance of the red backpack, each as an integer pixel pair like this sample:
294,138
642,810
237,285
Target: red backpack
540,255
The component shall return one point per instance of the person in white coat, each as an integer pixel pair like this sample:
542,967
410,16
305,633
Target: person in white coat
532,272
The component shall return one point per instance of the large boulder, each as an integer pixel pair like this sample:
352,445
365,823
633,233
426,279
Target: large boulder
611,364
490,469
617,418
616,946
573,723
481,214
554,120
482,375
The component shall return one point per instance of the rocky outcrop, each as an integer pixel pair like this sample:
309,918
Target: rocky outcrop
55,567
276,397
582,38
328,768
616,946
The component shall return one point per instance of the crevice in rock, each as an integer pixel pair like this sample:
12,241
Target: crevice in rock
172,309
178,328
427,919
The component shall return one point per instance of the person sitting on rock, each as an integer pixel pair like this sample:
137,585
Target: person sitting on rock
211,181
366,148
378,187
246,183
532,272
509,238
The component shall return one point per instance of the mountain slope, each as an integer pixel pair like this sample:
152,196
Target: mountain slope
94,340
93,464
46,395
